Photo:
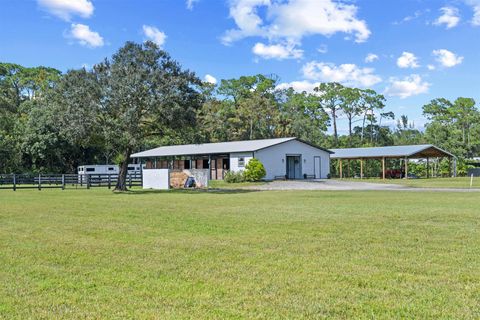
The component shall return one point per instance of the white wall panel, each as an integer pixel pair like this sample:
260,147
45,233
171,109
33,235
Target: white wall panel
156,179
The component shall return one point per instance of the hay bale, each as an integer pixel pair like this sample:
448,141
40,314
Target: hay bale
178,179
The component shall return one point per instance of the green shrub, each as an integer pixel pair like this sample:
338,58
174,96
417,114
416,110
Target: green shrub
254,170
234,177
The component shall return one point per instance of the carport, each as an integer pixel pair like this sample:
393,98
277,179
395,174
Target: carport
383,154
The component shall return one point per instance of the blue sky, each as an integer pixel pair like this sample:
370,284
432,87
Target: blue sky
418,49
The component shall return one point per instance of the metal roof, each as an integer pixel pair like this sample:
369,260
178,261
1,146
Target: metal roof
211,148
412,151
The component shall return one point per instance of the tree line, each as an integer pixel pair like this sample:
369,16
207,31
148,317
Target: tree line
141,97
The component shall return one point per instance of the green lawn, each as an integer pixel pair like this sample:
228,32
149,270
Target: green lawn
91,254
221,184
456,183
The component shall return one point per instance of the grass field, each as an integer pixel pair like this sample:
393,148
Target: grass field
455,183
221,184
256,255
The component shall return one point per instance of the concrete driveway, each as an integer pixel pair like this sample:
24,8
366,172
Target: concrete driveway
344,185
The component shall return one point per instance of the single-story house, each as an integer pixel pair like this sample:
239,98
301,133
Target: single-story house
290,158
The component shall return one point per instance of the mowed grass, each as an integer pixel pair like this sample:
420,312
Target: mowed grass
221,184
91,254
454,183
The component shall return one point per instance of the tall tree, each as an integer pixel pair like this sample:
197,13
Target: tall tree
406,133
371,102
251,103
453,124
299,116
331,98
351,108
144,92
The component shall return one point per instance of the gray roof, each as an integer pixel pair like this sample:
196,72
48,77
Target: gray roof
419,151
211,148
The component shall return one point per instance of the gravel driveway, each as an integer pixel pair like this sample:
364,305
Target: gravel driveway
344,185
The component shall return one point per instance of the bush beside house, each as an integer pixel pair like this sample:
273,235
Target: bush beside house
254,171
234,177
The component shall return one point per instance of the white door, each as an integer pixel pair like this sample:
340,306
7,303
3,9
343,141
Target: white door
317,162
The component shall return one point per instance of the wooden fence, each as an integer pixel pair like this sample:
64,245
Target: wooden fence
62,181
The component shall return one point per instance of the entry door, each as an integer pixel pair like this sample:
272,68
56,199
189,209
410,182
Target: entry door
294,170
317,162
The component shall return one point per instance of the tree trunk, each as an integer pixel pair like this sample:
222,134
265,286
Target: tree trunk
350,129
335,133
363,126
122,175
251,129
371,129
378,131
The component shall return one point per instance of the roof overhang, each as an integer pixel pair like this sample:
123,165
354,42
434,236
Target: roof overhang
392,152
218,148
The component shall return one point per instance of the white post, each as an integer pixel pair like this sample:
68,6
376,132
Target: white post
471,181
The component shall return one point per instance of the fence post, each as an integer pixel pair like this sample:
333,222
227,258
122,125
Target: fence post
130,180
88,181
109,181
63,182
14,182
39,181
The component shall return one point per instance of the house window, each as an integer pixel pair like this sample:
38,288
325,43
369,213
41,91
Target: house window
241,162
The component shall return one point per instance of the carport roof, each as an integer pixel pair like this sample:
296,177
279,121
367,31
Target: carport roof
411,151
214,148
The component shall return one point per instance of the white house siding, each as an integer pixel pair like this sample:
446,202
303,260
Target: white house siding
234,157
274,158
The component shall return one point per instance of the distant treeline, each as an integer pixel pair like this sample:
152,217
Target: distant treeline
140,98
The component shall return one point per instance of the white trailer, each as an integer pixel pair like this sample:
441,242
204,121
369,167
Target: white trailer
98,169
133,168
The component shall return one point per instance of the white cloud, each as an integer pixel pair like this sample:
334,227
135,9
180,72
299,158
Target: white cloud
85,36
409,86
152,33
191,3
417,14
347,74
210,79
293,19
475,4
476,16
431,67
277,51
407,60
65,9
371,57
447,58
323,48
299,86
450,17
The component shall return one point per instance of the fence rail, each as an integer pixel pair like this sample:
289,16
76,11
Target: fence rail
63,181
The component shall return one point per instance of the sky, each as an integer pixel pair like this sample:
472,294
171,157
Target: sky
412,51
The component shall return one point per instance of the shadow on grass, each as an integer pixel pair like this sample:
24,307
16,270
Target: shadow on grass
187,191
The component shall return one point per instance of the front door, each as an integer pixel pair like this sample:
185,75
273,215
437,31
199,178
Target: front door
317,167
294,170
